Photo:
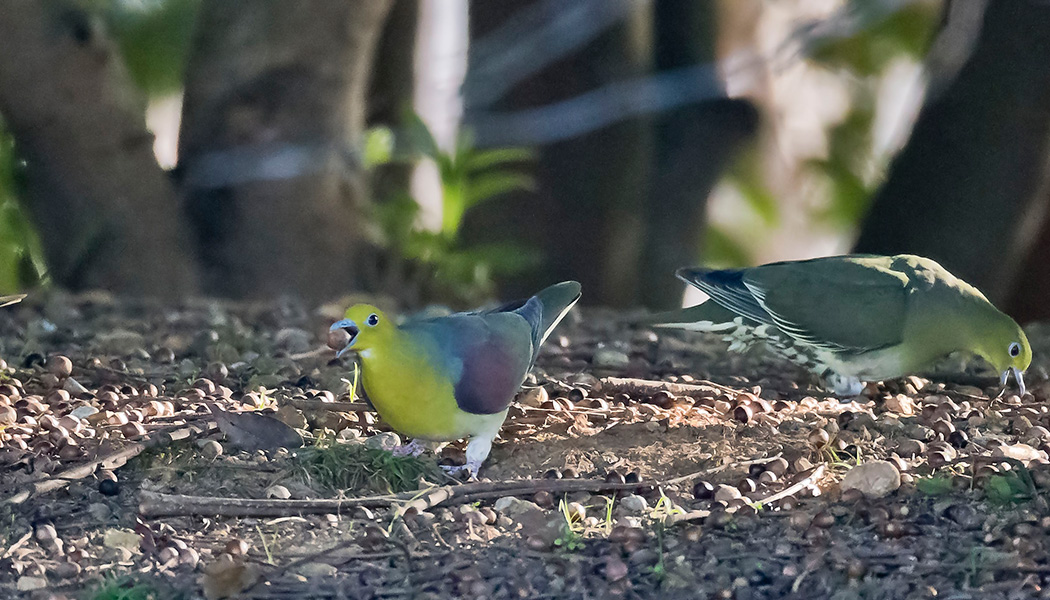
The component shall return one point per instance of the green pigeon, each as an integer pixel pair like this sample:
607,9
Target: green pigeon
854,318
444,378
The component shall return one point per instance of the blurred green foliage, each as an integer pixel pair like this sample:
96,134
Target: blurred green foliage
469,177
851,171
154,39
21,258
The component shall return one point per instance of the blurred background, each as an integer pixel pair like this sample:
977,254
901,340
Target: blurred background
455,151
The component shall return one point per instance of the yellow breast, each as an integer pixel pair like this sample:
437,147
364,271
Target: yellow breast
411,395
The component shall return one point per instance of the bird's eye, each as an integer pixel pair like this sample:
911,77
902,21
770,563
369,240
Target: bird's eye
1014,349
373,320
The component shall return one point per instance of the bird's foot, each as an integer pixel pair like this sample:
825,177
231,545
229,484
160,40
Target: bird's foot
457,471
413,448
844,386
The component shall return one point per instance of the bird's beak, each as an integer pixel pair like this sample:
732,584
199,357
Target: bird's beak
1018,376
351,328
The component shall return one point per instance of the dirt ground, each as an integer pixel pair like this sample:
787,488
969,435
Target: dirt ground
636,464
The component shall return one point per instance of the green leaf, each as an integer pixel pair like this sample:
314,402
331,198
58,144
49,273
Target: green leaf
479,160
934,486
747,176
1007,488
504,258
378,147
154,39
882,39
487,187
418,136
850,198
722,250
397,218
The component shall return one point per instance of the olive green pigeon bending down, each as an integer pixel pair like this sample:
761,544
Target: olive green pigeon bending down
445,378
854,318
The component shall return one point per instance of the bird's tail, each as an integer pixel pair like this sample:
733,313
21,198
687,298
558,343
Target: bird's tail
708,316
556,301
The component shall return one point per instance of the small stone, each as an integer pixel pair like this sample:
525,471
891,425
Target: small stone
311,570
120,342
121,538
83,411
909,448
293,340
634,504
66,570
901,404
211,449
109,487
874,479
609,358
27,583
577,511
533,397
338,339
349,436
513,506
726,493
615,569
1021,452
60,366
291,416
74,387
99,511
388,440
278,491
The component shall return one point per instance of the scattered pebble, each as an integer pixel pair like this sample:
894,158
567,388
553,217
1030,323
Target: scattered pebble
874,479
388,440
278,491
634,504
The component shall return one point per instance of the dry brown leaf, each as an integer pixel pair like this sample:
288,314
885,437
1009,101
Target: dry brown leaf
252,431
227,577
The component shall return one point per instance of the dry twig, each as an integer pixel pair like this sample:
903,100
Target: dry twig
154,504
110,460
645,387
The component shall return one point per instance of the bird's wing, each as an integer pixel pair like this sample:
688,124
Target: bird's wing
486,356
849,304
544,310
728,290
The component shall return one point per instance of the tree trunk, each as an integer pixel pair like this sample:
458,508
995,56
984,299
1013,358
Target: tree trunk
587,216
391,88
694,143
967,189
273,113
107,214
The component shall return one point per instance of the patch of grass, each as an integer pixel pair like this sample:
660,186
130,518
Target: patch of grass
124,588
338,467
9,531
659,570
1007,488
168,463
571,539
936,485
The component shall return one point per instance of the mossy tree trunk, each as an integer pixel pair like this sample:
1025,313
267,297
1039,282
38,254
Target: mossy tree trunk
968,189
106,212
273,114
586,216
620,205
694,144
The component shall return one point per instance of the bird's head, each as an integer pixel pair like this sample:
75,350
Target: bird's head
1005,347
367,326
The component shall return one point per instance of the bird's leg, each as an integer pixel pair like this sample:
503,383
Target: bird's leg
477,451
417,447
843,386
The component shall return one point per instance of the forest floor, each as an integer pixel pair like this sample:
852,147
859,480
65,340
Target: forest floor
636,464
